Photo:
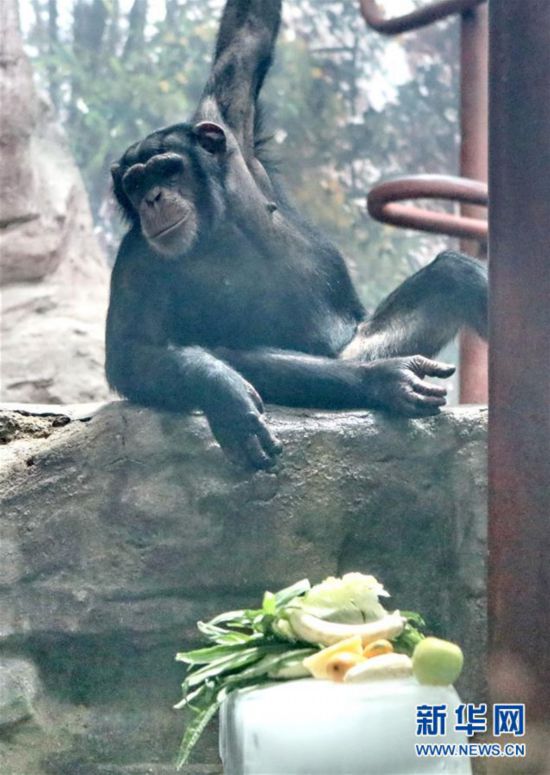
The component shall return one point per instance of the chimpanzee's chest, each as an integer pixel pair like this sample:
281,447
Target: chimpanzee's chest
243,300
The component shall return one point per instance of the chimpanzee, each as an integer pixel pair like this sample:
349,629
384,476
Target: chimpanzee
223,294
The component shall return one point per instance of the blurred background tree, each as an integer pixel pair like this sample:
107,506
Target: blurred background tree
345,105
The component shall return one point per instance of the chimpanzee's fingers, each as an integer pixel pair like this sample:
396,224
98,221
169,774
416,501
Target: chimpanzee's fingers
268,440
422,400
248,454
426,367
256,455
426,388
429,400
413,408
256,398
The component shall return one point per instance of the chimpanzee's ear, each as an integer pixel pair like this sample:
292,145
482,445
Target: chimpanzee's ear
114,170
210,136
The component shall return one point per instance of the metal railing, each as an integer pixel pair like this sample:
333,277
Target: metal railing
383,204
470,190
422,17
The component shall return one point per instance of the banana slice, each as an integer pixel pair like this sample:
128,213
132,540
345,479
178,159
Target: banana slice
338,666
379,668
377,648
314,630
317,663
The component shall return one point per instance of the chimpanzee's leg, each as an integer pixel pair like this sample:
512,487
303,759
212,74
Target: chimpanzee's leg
424,313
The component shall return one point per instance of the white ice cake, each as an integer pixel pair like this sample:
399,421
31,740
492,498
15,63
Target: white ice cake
314,727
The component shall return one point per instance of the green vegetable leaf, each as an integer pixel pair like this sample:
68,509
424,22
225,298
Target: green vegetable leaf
269,604
224,664
200,719
406,642
220,635
213,653
253,647
353,599
285,596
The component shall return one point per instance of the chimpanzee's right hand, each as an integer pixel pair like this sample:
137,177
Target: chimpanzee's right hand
234,411
398,385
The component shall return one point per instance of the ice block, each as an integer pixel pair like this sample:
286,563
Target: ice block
315,727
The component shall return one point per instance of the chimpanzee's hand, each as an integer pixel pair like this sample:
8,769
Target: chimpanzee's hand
398,385
235,418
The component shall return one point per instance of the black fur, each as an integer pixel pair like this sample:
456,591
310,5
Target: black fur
259,302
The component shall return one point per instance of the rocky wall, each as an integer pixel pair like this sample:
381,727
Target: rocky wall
121,529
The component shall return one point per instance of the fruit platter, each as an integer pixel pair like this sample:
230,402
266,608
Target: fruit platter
321,680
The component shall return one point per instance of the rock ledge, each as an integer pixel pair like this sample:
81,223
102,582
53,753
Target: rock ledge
121,529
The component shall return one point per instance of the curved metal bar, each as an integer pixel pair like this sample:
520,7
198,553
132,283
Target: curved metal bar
412,21
383,204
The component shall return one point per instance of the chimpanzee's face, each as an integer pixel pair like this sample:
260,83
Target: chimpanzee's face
163,183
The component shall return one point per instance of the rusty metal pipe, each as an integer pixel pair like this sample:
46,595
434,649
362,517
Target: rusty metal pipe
519,408
474,73
383,204
469,227
375,18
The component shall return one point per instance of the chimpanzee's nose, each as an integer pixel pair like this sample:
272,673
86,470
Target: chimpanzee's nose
153,195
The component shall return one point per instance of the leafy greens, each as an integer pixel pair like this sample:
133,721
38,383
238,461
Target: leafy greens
252,647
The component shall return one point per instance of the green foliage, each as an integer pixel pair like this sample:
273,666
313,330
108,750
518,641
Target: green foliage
253,647
245,651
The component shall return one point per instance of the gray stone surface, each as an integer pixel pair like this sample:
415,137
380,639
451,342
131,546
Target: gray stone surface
18,689
118,532
54,276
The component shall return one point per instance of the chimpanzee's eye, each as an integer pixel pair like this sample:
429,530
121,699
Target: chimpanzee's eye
133,178
172,165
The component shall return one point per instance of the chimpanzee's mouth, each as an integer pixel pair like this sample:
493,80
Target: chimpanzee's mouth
168,229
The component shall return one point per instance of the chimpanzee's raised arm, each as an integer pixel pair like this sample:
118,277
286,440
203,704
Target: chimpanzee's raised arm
243,55
248,197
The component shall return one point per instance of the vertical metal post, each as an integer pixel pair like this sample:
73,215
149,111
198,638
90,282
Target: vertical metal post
519,436
474,165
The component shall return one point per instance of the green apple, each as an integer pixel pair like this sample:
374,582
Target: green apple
437,662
